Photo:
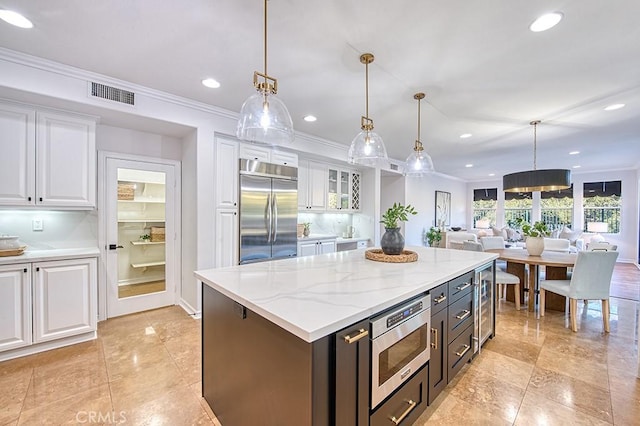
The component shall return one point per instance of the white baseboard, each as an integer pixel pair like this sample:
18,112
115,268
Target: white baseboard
189,309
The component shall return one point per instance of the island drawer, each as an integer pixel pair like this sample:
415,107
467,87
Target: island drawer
460,315
460,286
460,352
439,298
406,405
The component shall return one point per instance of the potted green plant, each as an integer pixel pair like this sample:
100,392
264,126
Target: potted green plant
534,235
145,238
306,228
434,236
392,241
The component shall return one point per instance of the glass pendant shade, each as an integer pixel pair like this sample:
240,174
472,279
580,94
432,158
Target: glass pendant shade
265,119
367,148
418,164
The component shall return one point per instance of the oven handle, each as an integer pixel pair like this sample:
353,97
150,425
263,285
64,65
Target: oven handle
397,421
465,314
352,339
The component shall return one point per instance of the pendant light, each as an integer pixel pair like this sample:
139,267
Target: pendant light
264,118
418,163
537,180
367,148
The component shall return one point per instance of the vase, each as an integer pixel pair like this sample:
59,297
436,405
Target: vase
392,241
305,232
535,245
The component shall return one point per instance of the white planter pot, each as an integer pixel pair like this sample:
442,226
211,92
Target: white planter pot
535,245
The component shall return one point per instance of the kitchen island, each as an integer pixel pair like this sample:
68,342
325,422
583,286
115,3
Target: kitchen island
270,353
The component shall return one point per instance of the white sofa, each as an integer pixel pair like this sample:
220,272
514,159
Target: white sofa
455,239
557,244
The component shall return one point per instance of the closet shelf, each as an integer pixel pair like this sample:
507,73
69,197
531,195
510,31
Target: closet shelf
140,220
145,243
147,264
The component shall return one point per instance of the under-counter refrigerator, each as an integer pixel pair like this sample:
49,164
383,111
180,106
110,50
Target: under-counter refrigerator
268,211
484,317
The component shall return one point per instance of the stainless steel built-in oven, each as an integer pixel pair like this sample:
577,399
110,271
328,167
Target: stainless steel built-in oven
399,346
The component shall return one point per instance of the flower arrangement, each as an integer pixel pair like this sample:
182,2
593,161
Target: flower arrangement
396,213
538,229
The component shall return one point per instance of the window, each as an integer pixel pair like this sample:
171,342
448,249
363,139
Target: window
602,203
517,204
485,204
557,208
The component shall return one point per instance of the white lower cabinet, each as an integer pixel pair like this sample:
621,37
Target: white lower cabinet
46,301
15,306
226,238
313,247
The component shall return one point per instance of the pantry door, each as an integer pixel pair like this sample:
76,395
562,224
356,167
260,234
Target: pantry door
140,200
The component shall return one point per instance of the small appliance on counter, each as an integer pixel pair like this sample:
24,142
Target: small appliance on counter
10,246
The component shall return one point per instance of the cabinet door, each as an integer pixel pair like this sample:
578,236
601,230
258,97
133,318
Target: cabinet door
15,306
226,238
327,247
303,186
355,191
438,366
226,174
66,161
307,249
317,186
333,189
65,302
284,158
254,152
353,376
18,161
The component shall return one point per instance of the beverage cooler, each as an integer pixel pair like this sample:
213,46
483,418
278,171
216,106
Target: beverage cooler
484,305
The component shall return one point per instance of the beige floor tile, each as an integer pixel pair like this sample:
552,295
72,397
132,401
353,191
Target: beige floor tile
575,345
624,381
503,367
585,369
626,409
573,393
454,411
13,390
516,349
15,365
92,406
179,406
538,410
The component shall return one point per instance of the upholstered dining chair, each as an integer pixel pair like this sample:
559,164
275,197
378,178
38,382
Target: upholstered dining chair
490,243
590,280
502,278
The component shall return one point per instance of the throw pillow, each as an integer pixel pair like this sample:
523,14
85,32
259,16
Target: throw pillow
570,235
497,232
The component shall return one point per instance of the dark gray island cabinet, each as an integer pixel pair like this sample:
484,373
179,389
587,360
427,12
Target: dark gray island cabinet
289,342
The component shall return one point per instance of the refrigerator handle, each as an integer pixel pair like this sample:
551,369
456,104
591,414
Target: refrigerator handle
268,217
274,207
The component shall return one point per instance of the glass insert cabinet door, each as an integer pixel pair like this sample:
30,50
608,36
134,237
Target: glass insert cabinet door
332,197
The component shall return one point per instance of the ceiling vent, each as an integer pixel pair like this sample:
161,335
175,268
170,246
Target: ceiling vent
393,167
112,93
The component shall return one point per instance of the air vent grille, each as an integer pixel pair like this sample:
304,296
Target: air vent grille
393,166
112,93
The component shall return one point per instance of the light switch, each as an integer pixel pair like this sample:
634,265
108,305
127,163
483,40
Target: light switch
38,224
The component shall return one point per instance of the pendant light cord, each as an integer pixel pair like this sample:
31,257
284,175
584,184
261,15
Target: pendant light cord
366,88
535,139
265,38
419,99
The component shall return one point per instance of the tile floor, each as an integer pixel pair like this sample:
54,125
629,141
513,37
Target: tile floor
145,369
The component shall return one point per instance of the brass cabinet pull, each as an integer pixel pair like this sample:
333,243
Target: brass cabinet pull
397,421
351,339
440,299
434,343
466,285
466,349
464,314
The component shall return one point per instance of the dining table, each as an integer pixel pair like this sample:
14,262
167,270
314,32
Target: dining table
555,264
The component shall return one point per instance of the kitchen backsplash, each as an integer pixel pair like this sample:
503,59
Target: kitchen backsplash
60,229
333,224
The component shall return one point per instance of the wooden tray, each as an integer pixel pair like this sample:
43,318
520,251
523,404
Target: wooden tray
378,255
13,252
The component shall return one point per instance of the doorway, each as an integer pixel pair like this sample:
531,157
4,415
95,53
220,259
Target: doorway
140,217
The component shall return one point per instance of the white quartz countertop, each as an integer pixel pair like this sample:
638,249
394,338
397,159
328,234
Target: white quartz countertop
313,237
314,296
50,254
341,240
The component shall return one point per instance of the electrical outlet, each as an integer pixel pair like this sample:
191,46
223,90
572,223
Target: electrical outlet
38,224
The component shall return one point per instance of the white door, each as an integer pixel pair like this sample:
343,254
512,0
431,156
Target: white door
140,235
15,306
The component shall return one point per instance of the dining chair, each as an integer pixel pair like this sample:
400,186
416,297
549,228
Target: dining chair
502,278
603,246
490,243
590,280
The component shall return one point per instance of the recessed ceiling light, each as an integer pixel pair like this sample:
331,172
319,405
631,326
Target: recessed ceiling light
14,18
614,107
492,174
576,167
545,22
310,118
574,152
465,135
468,165
211,83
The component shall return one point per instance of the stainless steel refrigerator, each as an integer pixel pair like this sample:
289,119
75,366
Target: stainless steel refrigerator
268,211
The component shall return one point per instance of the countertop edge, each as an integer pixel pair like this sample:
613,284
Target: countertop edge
30,256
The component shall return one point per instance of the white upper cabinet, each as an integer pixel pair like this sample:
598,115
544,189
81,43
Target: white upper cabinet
18,159
312,186
343,189
48,159
284,158
226,174
267,155
66,161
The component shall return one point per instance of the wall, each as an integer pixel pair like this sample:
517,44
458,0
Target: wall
627,240
129,141
190,289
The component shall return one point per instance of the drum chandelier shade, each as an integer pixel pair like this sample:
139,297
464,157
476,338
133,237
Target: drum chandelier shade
263,117
367,148
418,163
537,180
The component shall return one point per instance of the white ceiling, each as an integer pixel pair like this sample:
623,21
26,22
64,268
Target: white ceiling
483,71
